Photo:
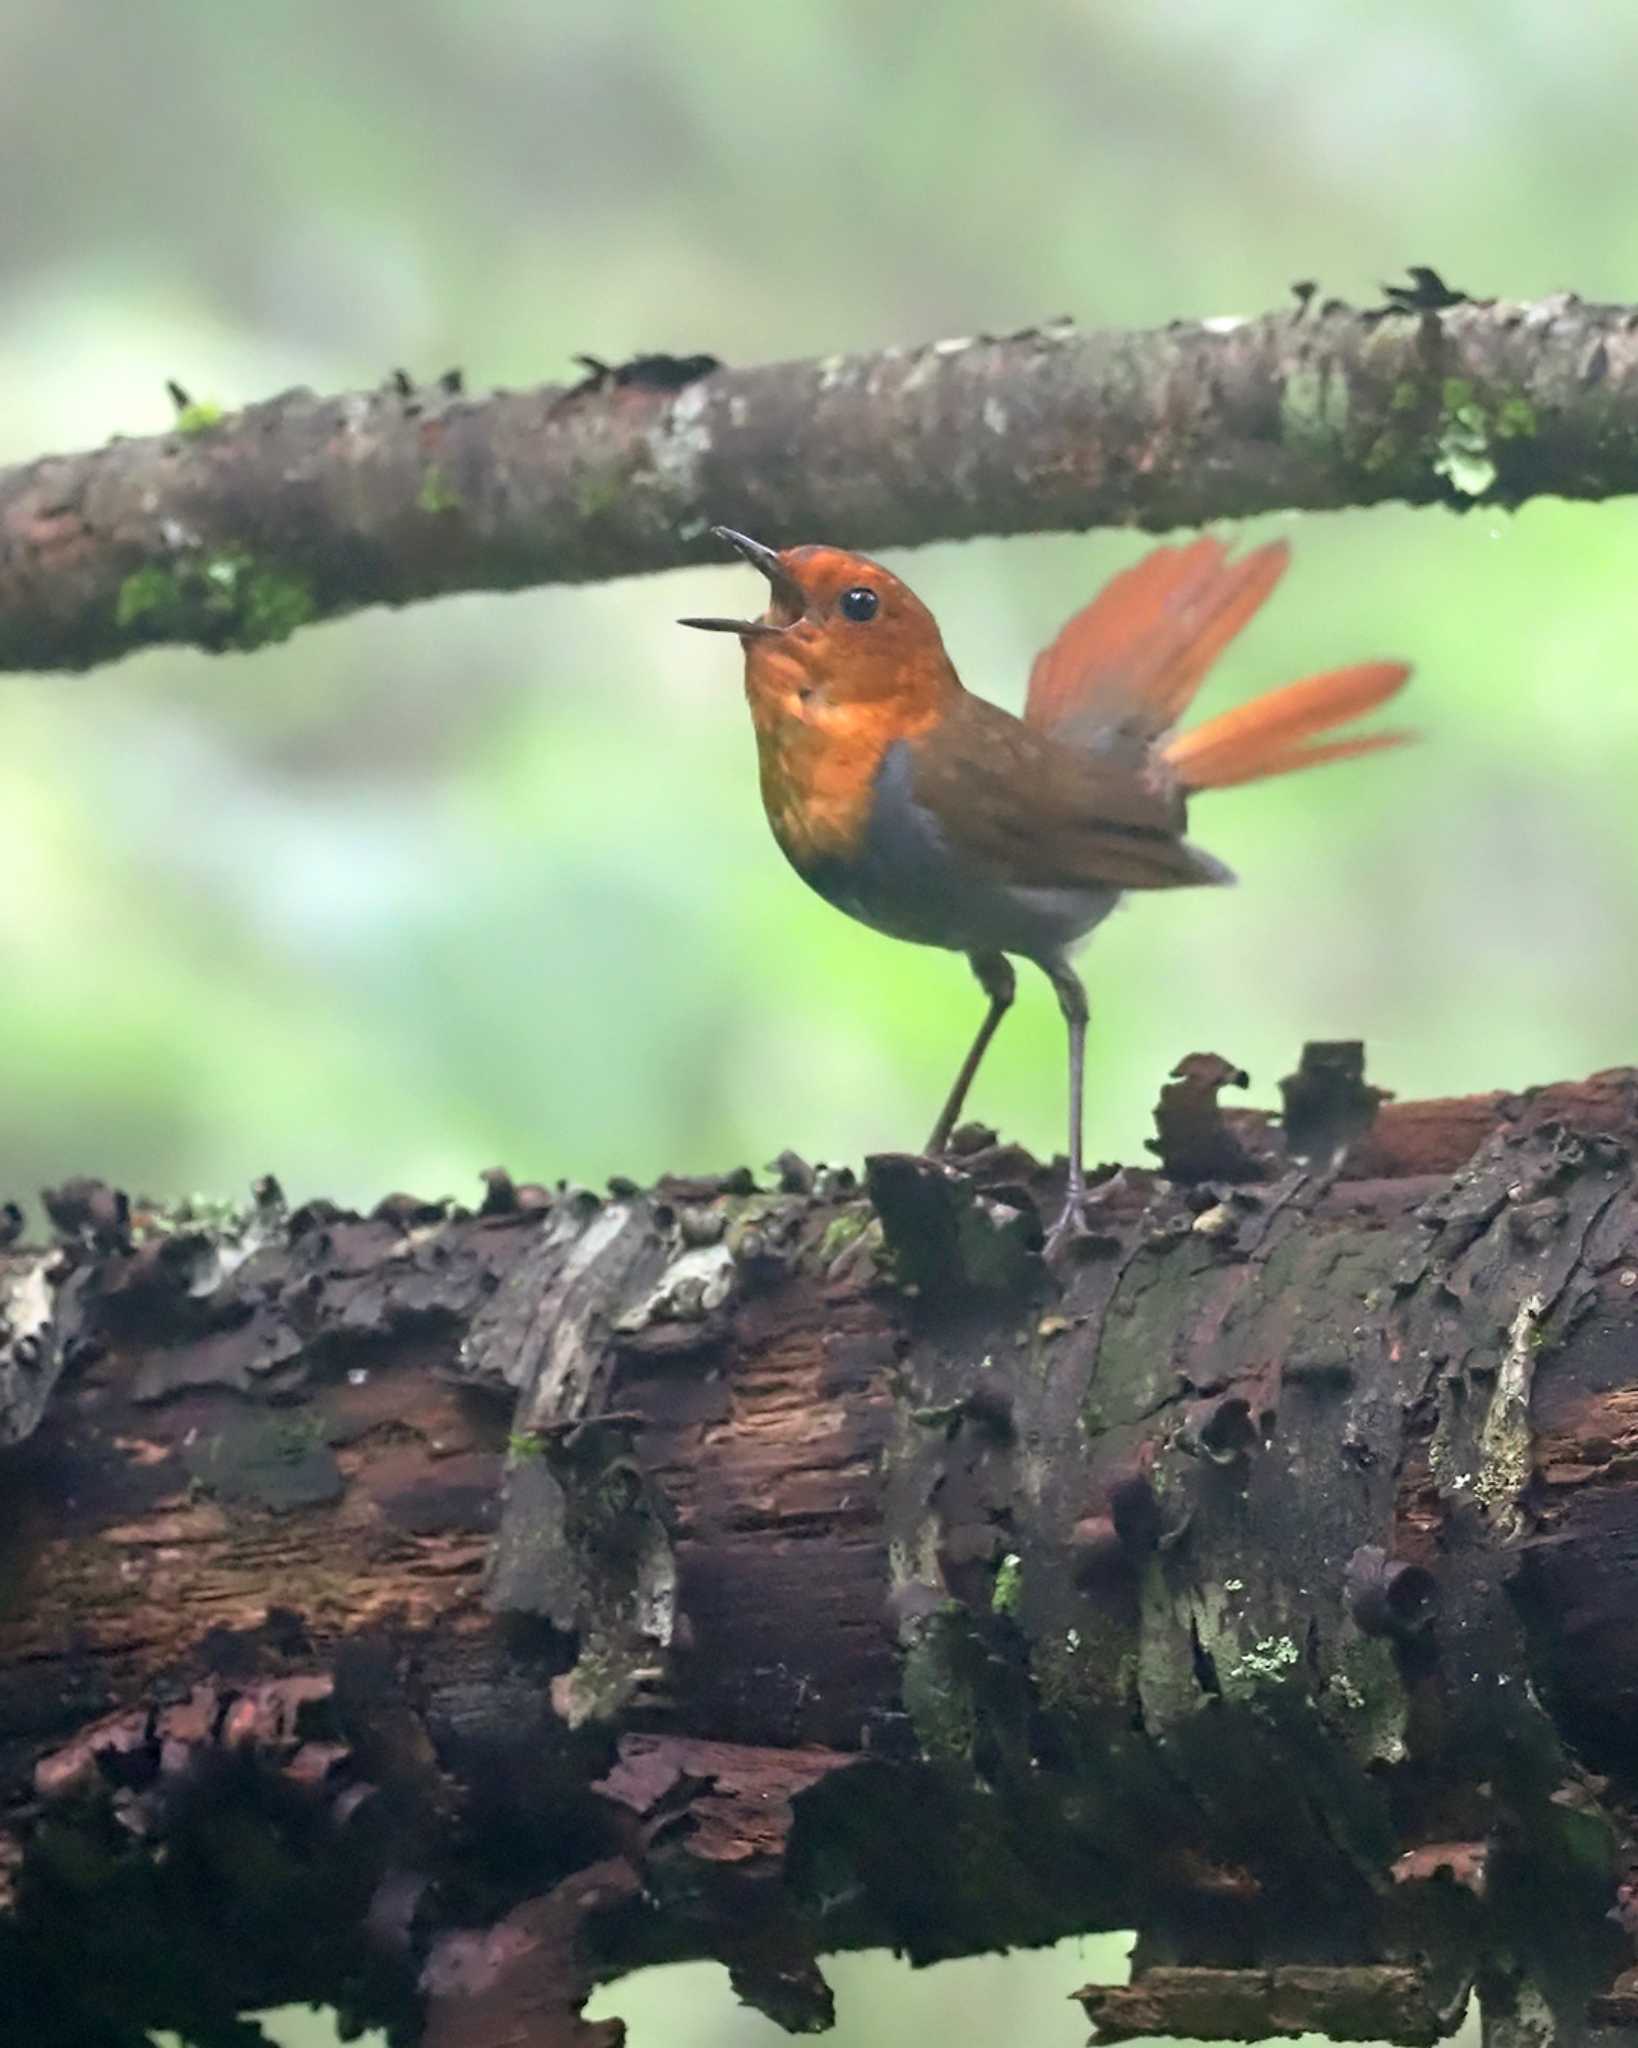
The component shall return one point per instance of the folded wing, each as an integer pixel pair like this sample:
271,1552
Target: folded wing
1020,807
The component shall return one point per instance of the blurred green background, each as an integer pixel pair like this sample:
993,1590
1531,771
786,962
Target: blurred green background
488,880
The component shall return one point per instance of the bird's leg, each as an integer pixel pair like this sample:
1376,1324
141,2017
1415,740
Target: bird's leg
1072,1001
1000,984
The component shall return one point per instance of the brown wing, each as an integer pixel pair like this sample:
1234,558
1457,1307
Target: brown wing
1033,812
1130,662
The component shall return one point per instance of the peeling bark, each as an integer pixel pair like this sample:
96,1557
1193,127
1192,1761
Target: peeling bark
437,1613
232,532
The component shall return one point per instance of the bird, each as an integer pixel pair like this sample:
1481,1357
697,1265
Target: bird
936,816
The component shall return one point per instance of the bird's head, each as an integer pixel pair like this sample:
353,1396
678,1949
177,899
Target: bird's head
840,635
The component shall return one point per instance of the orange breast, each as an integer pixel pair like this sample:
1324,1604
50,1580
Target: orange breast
819,766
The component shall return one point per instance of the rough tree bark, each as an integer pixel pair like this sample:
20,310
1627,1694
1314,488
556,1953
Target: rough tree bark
234,530
434,1613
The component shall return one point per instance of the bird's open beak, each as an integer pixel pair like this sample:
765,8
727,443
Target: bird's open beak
786,591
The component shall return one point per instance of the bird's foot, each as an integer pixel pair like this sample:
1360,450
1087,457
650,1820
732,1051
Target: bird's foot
1081,1204
1071,1222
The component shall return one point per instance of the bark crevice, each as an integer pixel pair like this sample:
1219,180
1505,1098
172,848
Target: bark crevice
438,1612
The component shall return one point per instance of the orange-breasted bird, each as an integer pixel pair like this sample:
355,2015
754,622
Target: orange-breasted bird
935,816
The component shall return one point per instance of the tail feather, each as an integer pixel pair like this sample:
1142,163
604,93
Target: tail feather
1134,657
1275,734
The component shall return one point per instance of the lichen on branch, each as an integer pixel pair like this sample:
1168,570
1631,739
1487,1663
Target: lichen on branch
236,528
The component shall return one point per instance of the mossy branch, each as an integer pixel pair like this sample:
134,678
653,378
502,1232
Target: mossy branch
235,528
435,1612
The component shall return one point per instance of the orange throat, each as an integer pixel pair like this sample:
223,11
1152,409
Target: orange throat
819,765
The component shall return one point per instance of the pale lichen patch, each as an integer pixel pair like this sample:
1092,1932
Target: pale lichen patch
29,1357
1506,1445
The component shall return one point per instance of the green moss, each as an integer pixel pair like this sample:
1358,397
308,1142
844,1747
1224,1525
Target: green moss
912,1559
273,606
149,594
602,1682
198,417
1462,447
1087,1672
1402,442
1271,1661
293,1436
1314,408
279,1463
436,494
215,1215
1468,430
1178,1630
599,492
1343,1268
1453,428
1012,1871
1364,1701
1386,452
945,1415
220,601
1158,1297
1515,419
217,1212
995,1248
938,1693
1009,1584
841,1231
756,1215
1584,1834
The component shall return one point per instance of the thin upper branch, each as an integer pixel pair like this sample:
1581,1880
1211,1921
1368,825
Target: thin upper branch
232,532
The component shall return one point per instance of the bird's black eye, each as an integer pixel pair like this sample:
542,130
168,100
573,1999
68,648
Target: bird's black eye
859,603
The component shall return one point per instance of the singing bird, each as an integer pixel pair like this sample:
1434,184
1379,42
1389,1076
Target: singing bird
933,815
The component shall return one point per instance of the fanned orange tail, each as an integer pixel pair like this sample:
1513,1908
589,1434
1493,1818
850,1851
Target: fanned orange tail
1274,734
1125,668
1130,662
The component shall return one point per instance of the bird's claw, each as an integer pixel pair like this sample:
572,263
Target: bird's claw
1071,1223
1076,1219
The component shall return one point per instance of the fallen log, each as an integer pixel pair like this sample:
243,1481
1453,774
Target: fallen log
437,1612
